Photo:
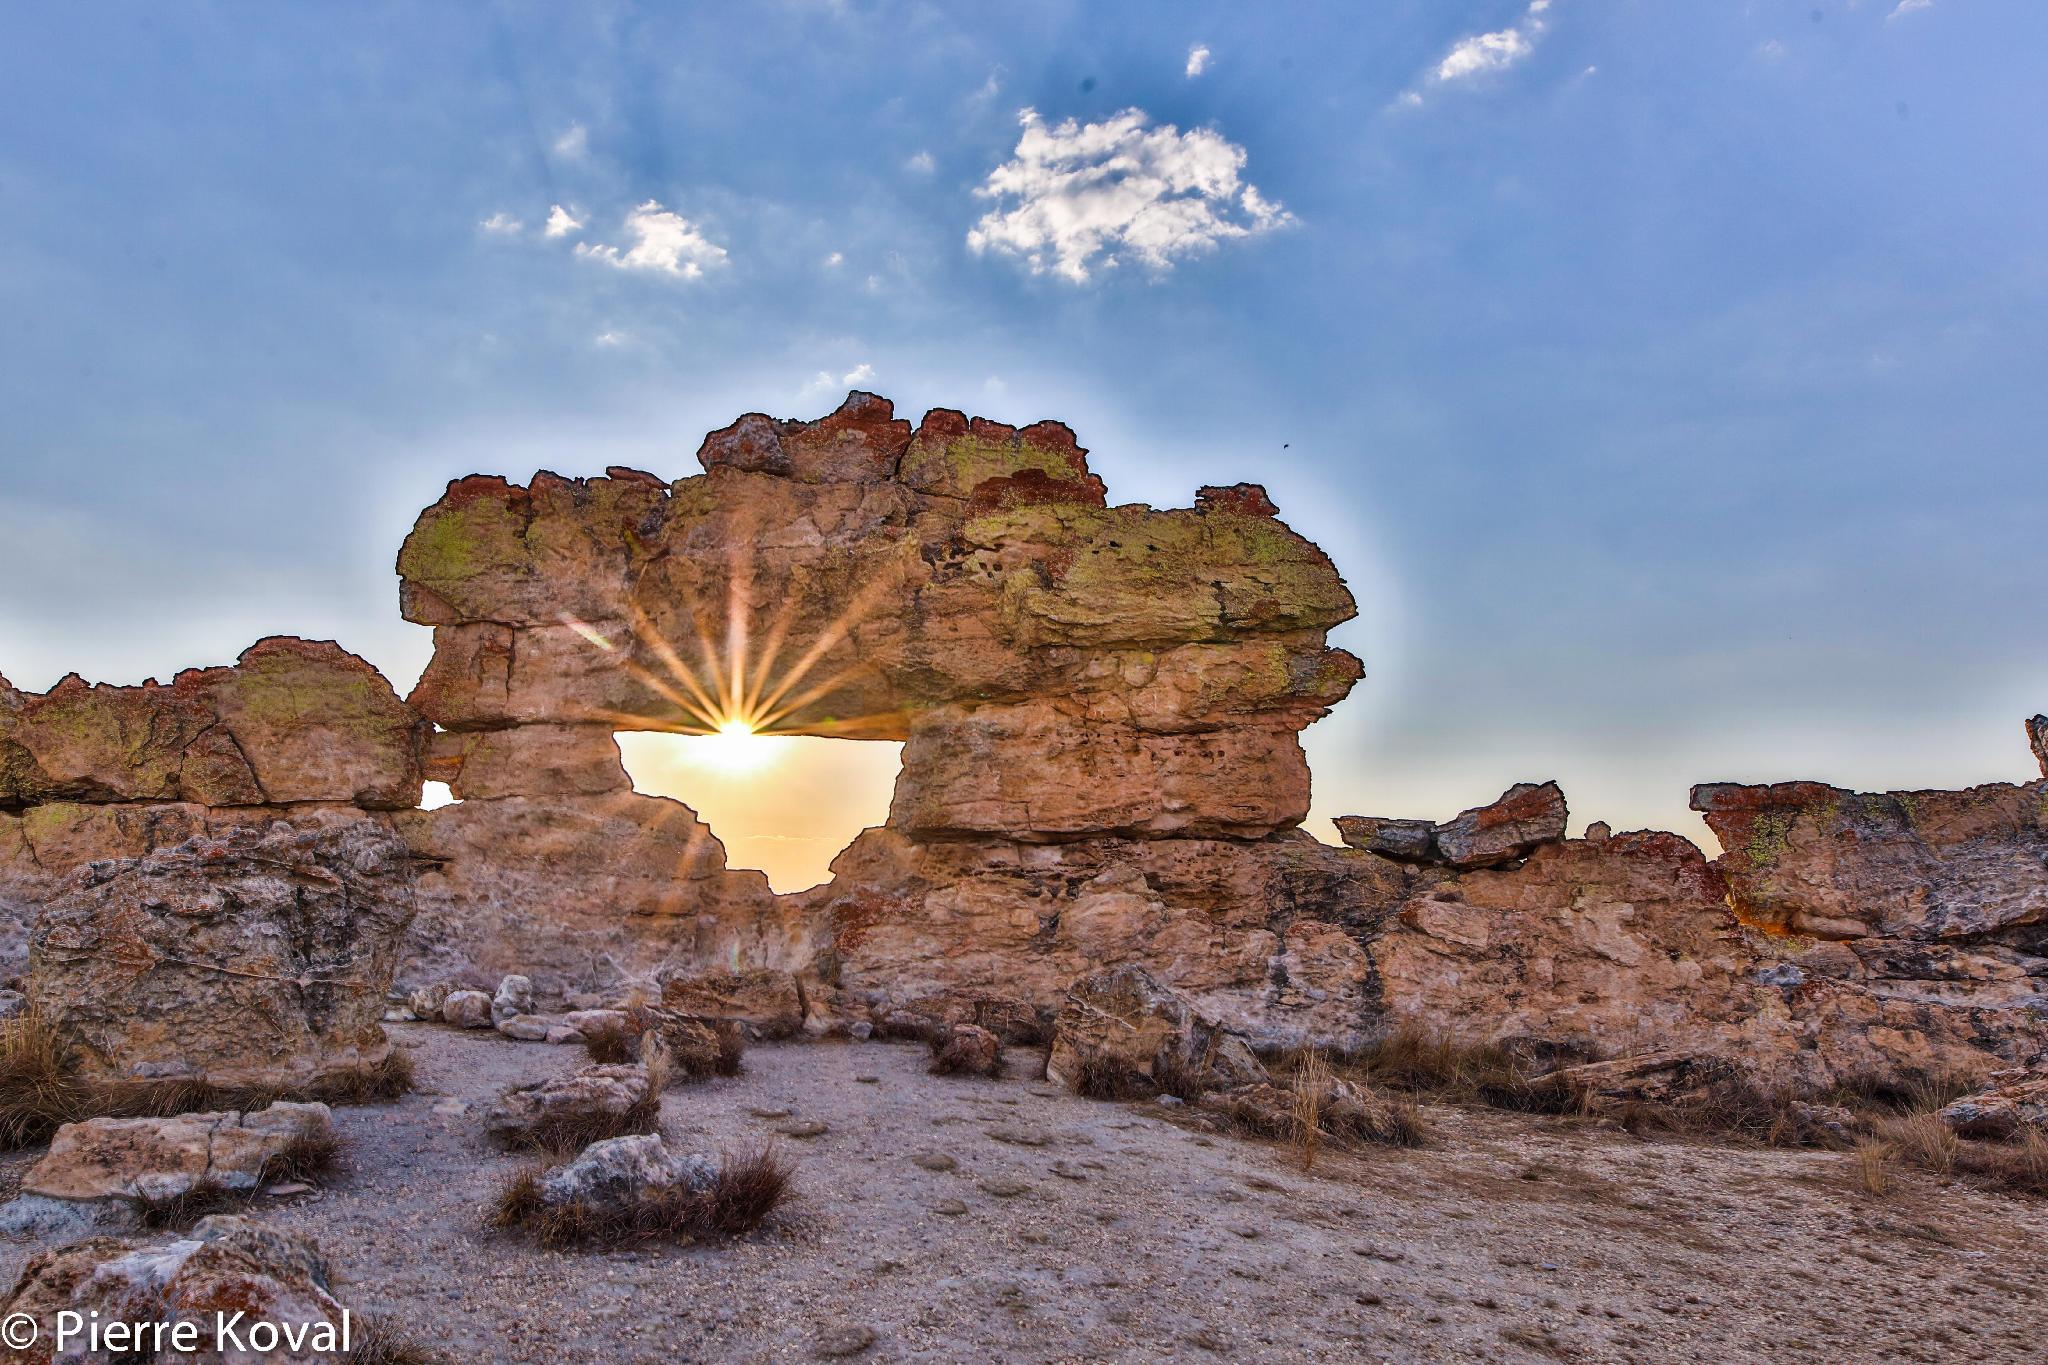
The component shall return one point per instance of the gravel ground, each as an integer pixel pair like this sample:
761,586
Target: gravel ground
953,1219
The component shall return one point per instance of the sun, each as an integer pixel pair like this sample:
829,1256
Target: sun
734,747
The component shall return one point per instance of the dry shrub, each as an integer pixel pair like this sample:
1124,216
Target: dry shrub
748,1189
732,1047
1450,1070
1180,1076
612,1044
574,1129
2019,1166
1388,1120
1103,1077
306,1157
1873,1162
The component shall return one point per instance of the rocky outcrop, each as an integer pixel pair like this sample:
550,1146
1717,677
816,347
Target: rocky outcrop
1121,1032
1058,669
2037,738
1525,818
257,958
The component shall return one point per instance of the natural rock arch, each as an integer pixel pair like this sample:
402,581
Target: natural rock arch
1114,687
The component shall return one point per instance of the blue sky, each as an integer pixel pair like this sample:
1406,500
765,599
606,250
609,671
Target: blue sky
1665,377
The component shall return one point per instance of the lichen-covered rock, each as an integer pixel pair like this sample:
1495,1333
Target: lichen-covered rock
1923,865
2001,1112
514,997
1122,1027
618,1173
227,1268
1527,816
966,1050
259,957
466,1009
292,721
529,1112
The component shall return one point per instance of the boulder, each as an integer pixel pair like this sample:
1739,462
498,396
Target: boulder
514,997
1122,1030
769,1003
161,1158
620,1172
223,1267
966,1050
258,957
2037,739
592,1095
427,1001
1526,817
1407,840
467,1009
2003,1111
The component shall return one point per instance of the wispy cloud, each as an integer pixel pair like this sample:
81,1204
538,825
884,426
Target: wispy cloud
1906,7
609,339
1076,196
560,222
502,224
573,143
835,260
860,374
1198,60
921,164
663,242
1483,54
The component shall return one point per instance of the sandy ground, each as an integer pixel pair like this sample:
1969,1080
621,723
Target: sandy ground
1073,1230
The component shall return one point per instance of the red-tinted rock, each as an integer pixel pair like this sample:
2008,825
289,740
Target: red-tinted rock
1526,817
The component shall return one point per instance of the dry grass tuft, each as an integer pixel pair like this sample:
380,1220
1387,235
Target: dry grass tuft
377,1342
177,1212
1105,1078
2019,1166
1919,1140
39,1088
1311,1082
1873,1162
732,1047
1450,1070
612,1044
748,1189
573,1130
307,1157
626,1042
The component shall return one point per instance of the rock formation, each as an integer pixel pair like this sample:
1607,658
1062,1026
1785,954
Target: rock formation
251,959
1099,709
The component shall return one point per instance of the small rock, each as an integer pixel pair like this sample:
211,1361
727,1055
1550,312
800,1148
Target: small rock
289,1187
1020,1137
949,1208
1004,1189
514,997
835,1342
427,1001
868,1080
934,1161
623,1170
763,1112
526,1028
391,1016
804,1128
467,1009
860,1030
12,1003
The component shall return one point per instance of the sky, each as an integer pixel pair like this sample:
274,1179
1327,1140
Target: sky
1665,376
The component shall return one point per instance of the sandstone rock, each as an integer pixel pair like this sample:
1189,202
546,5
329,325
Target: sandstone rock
1930,865
224,1266
1122,1029
514,997
529,1113
467,1009
1526,817
1408,840
529,760
291,721
2037,738
966,1050
256,958
426,1002
2002,1112
620,1172
1011,1020
769,1003
161,1158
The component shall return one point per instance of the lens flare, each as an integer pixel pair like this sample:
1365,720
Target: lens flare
734,747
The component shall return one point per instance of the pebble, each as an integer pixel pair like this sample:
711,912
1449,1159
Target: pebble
951,1208
934,1161
1004,1189
834,1342
803,1128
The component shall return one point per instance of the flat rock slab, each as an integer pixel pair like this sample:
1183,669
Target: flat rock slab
160,1158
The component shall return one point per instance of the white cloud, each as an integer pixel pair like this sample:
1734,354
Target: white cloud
664,242
574,142
609,339
1770,50
560,222
1198,60
1906,7
835,260
921,164
859,374
1483,54
1077,192
991,87
501,223
823,380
